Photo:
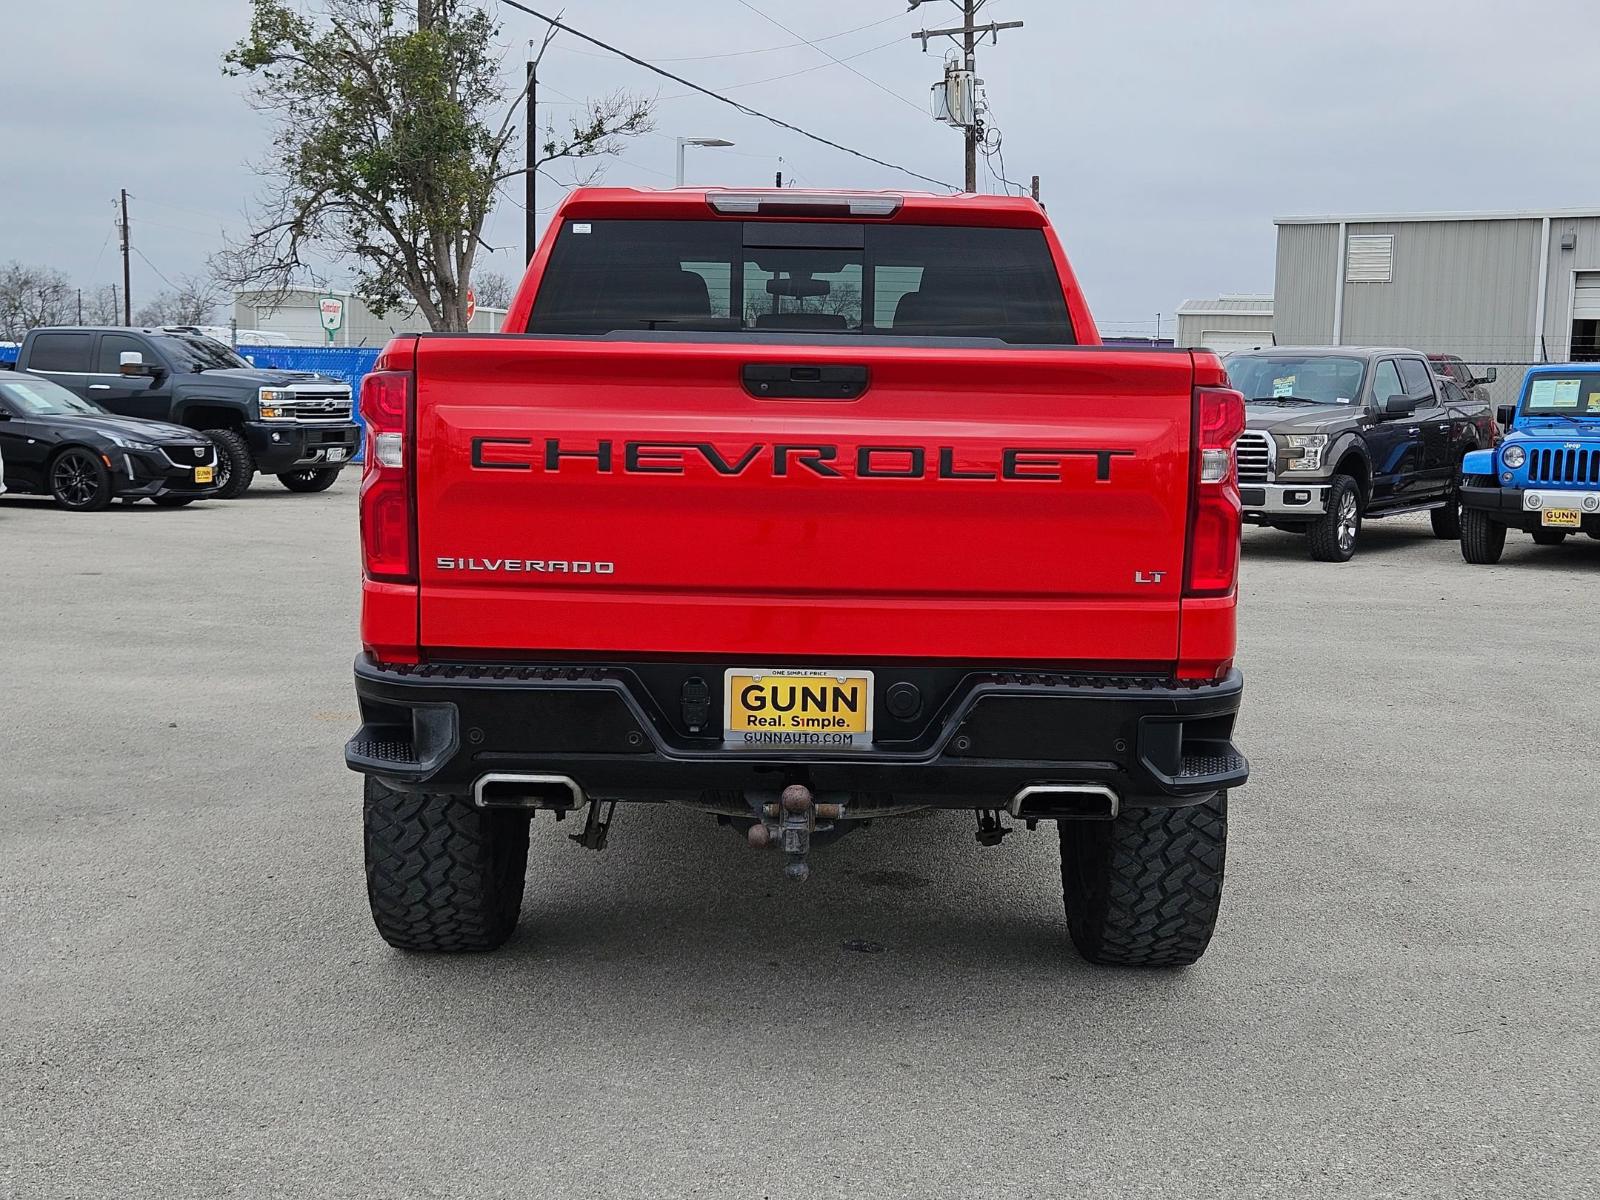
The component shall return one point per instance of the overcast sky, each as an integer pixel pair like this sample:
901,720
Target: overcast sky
1168,133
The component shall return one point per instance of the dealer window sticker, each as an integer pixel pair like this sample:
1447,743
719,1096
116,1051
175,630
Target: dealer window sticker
1283,387
1553,394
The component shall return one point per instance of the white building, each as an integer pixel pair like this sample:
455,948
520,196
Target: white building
1225,324
297,317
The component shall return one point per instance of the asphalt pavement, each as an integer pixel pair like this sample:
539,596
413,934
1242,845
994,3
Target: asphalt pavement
1400,1000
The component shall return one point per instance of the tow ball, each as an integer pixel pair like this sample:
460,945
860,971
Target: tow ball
789,825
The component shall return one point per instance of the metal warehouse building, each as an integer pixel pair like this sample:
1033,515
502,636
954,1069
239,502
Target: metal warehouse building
1497,288
1226,324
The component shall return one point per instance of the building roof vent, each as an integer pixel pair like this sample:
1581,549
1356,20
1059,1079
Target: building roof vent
1370,258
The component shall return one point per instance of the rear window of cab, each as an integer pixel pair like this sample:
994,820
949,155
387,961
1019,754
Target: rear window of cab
609,277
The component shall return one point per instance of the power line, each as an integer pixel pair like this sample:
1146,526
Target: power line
154,268
103,245
992,146
731,103
832,37
728,87
836,61
184,208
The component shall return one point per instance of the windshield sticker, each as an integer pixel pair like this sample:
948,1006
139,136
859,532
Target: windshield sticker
1342,400
1283,386
1554,393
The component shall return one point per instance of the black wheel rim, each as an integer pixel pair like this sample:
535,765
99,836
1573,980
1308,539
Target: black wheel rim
224,468
304,476
75,479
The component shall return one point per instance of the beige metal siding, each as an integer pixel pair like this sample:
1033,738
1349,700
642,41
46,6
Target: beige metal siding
1308,265
1458,287
1565,265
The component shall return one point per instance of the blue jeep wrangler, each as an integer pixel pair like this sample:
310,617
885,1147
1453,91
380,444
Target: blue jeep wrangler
1545,477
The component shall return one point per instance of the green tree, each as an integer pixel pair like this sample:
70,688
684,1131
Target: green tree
393,134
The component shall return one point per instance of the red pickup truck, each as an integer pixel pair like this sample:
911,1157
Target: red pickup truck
800,509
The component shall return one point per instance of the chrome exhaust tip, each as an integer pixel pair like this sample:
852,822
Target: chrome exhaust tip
1065,802
529,792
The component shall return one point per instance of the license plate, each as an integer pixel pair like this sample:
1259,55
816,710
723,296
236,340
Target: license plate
1561,518
336,455
797,709
204,474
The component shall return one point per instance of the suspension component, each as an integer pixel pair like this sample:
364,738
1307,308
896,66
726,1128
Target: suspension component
596,828
991,832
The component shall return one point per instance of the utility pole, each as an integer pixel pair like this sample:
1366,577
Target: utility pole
969,13
127,294
1036,189
528,189
80,306
968,32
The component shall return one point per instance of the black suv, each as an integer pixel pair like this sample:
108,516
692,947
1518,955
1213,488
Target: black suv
295,425
1336,434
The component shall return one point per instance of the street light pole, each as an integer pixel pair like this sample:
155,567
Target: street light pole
683,142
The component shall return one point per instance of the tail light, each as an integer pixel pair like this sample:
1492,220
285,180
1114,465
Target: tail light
1215,523
388,542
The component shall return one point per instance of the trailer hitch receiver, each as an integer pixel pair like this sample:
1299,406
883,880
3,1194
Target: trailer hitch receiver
789,824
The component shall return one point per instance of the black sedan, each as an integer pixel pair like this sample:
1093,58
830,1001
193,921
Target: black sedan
55,444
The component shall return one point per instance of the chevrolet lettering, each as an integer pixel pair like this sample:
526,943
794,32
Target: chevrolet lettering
885,528
780,460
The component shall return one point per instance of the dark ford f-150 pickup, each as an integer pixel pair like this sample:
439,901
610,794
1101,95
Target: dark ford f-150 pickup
799,509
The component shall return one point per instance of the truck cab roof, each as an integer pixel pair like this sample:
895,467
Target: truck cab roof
909,207
1327,352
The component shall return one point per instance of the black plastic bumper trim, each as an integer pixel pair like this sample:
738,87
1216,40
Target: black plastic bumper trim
299,445
442,725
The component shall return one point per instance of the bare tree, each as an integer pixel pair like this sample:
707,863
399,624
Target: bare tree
393,135
102,306
193,302
32,296
492,289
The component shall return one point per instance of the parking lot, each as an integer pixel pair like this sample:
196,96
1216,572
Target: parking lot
1400,1000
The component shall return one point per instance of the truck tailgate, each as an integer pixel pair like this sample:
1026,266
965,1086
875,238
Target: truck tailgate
1026,505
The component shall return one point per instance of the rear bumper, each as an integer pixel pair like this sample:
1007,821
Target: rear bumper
1262,501
441,727
282,446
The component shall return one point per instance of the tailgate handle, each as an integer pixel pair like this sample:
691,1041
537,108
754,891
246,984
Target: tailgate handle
804,381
